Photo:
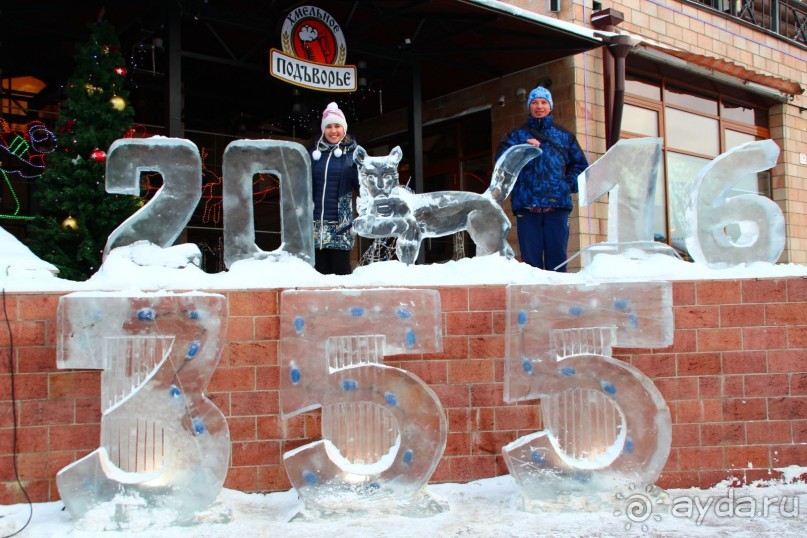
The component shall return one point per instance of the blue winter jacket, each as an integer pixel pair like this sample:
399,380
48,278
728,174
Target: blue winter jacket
334,179
549,180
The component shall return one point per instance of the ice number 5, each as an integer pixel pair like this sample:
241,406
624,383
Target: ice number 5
710,210
606,424
383,428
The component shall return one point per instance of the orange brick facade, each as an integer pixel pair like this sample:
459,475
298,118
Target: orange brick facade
735,379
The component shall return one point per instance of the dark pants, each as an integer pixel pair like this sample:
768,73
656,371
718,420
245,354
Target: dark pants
329,261
543,238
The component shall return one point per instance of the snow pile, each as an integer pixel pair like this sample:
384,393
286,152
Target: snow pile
145,266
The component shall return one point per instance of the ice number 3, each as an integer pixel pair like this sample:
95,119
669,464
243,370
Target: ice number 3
606,424
162,219
163,443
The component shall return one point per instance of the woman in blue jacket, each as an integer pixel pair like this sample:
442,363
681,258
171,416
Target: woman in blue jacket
334,179
542,196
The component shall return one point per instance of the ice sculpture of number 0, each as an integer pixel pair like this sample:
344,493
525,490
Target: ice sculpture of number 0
607,426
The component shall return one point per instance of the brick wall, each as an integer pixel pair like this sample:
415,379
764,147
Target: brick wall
735,379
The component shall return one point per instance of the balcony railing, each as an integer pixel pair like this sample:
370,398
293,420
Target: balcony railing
787,18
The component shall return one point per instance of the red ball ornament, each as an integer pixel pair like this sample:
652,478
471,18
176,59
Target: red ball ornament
120,71
98,156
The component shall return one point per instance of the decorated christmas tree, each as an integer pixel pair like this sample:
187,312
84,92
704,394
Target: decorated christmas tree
75,213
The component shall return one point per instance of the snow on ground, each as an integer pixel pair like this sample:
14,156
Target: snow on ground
484,508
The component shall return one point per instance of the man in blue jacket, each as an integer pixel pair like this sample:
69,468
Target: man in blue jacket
542,196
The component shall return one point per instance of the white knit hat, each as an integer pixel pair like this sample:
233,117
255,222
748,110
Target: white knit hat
332,114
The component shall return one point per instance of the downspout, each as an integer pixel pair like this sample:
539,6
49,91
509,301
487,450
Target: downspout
617,48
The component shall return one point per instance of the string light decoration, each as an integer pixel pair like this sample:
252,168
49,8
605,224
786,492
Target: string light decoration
22,154
212,192
306,122
213,195
136,131
380,250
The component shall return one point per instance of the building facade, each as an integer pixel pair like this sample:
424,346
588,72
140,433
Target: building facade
705,79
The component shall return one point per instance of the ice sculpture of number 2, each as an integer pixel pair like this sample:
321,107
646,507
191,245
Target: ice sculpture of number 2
162,219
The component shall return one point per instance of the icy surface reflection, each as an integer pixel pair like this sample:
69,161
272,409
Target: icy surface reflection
165,447
383,428
606,425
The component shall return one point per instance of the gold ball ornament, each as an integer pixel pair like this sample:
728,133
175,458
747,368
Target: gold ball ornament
70,224
118,103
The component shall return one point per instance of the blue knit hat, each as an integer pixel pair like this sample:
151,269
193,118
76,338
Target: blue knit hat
541,92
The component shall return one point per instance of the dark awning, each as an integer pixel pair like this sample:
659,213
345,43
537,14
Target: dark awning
225,48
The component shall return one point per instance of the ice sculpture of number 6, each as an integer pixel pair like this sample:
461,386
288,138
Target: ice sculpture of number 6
165,447
383,428
709,210
607,426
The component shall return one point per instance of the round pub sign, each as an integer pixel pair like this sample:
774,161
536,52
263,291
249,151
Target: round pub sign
314,52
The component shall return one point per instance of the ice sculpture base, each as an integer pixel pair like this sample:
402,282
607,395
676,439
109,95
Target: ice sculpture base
635,250
422,505
624,501
129,511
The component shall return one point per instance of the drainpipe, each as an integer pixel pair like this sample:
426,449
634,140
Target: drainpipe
617,48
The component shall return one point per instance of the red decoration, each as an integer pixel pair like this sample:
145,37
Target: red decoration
120,71
98,156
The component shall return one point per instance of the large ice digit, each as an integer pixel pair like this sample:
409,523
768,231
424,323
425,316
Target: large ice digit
607,426
627,173
383,428
165,447
725,230
387,209
162,219
289,161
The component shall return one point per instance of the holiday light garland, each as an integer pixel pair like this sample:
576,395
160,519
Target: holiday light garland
212,192
22,153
